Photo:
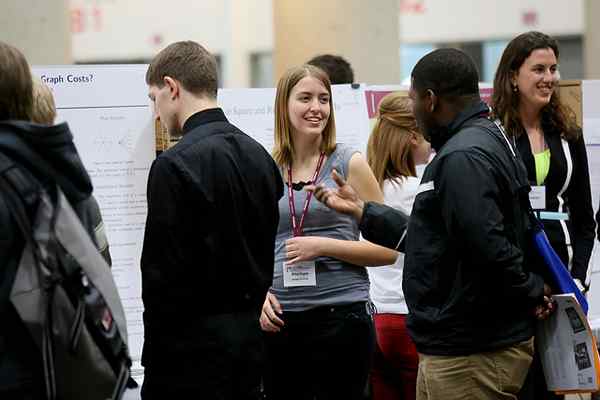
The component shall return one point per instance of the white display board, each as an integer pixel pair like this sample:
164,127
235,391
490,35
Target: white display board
590,93
591,132
252,110
108,111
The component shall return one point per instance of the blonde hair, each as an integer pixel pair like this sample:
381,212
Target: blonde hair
389,150
44,108
283,151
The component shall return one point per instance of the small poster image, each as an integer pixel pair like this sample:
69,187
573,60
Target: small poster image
582,356
576,322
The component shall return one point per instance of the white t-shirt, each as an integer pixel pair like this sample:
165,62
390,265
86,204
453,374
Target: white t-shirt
386,282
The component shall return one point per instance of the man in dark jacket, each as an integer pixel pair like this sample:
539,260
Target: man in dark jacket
208,254
470,293
30,145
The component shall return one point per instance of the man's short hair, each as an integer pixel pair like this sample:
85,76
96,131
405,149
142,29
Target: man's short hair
448,72
338,69
190,64
44,108
16,92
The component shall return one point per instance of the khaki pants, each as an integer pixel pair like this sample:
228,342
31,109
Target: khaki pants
487,376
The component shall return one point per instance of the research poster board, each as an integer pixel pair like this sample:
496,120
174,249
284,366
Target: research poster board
252,110
590,95
108,111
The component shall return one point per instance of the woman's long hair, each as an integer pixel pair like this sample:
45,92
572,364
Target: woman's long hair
389,150
555,116
283,151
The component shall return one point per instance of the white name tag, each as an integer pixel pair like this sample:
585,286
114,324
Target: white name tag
537,197
300,274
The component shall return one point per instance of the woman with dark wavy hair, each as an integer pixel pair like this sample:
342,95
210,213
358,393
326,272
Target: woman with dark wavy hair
526,101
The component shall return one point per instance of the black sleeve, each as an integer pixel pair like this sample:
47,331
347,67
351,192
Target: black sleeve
384,225
11,246
470,201
581,212
163,222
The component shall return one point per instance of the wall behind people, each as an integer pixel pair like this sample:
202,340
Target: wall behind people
40,29
359,31
592,40
427,20
234,30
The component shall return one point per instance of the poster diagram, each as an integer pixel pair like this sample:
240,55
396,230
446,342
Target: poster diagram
113,129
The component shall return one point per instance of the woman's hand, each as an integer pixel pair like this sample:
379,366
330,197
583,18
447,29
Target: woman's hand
303,248
269,320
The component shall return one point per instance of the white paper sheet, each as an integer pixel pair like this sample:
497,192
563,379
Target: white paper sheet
591,111
252,110
108,111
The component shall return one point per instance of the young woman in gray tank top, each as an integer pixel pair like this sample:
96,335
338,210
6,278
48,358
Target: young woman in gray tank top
320,335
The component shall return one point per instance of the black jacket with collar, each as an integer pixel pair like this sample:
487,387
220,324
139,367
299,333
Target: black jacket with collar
464,280
209,243
567,191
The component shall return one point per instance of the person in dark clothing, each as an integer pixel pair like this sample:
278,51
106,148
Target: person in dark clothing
208,253
471,296
552,148
336,67
28,145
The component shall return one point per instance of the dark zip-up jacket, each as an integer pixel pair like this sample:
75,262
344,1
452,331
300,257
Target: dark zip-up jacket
467,284
567,191
31,146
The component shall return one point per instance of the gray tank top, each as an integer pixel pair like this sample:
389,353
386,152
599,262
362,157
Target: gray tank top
338,282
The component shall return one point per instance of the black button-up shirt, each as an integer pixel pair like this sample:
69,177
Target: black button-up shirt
210,232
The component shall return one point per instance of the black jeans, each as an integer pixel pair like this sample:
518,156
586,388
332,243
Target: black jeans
223,362
324,353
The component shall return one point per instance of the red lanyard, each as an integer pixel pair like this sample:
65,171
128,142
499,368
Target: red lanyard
297,228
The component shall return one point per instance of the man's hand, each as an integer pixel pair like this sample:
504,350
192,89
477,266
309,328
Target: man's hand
269,321
343,199
545,309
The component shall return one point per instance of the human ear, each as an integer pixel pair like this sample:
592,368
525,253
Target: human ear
433,100
173,86
415,138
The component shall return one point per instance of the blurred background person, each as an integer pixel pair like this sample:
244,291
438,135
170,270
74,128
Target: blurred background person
552,148
395,148
337,68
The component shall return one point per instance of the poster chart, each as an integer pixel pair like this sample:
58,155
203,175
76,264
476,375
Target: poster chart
110,116
252,110
591,111
591,131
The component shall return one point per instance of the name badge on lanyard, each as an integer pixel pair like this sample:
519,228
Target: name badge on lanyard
537,197
303,273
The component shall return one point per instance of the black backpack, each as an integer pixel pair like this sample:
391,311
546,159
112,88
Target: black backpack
64,293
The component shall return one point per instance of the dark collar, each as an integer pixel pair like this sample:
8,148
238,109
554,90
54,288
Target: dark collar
440,135
479,109
203,117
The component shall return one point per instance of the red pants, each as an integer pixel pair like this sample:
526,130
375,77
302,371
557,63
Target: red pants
395,364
